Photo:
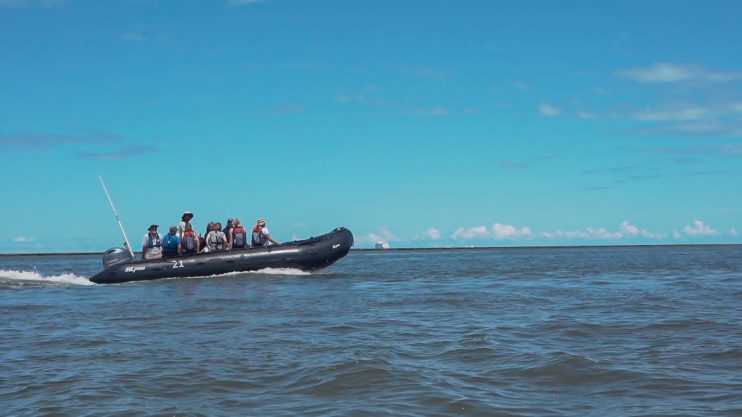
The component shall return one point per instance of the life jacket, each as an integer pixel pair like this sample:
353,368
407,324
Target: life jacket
170,245
258,238
216,242
153,241
239,237
170,241
189,242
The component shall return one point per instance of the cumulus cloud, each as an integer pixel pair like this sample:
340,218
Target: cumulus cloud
433,233
383,234
478,232
498,231
547,110
506,231
664,72
23,239
733,231
626,230
629,230
699,228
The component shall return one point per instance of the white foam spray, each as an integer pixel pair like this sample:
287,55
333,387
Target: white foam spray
66,279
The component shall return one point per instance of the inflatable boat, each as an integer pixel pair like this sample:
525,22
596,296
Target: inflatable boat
306,255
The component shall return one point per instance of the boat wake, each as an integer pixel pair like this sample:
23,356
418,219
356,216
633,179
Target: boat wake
10,275
280,271
264,271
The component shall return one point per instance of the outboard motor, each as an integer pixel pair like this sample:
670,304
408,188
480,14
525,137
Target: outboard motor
116,256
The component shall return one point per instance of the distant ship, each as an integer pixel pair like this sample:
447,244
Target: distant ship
382,245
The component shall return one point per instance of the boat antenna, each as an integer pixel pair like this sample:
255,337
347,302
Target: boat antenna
115,213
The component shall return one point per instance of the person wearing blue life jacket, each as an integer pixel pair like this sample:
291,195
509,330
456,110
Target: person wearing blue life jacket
170,243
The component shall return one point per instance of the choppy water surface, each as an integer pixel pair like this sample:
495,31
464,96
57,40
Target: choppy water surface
527,332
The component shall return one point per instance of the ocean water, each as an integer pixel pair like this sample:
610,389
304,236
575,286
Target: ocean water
635,331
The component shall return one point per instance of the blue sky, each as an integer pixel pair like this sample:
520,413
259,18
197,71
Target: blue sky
425,123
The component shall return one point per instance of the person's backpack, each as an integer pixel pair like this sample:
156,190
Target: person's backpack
189,242
239,237
217,241
258,238
170,242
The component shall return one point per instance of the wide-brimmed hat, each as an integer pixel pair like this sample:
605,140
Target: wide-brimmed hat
261,221
186,213
153,226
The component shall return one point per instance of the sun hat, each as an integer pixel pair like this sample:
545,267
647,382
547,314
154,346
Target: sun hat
153,226
261,221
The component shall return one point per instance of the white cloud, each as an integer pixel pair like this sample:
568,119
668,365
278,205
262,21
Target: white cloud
498,231
629,230
626,230
547,110
683,114
506,231
23,239
672,73
699,229
383,234
676,234
433,233
601,233
585,115
479,232
733,231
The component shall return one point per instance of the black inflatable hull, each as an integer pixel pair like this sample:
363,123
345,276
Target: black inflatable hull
306,255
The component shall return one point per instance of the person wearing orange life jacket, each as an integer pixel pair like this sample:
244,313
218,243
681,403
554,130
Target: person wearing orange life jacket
189,244
261,237
237,235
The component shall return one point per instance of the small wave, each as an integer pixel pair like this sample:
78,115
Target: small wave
31,276
265,271
280,271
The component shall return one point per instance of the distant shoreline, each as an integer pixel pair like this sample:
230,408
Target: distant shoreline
453,248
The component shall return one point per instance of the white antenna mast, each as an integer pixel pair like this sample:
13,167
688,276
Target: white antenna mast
115,213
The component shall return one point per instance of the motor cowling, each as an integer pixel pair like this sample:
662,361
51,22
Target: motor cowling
116,256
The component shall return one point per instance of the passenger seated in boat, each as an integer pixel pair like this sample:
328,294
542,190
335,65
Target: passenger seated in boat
261,237
216,240
205,246
237,235
228,229
184,219
170,243
189,244
152,244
